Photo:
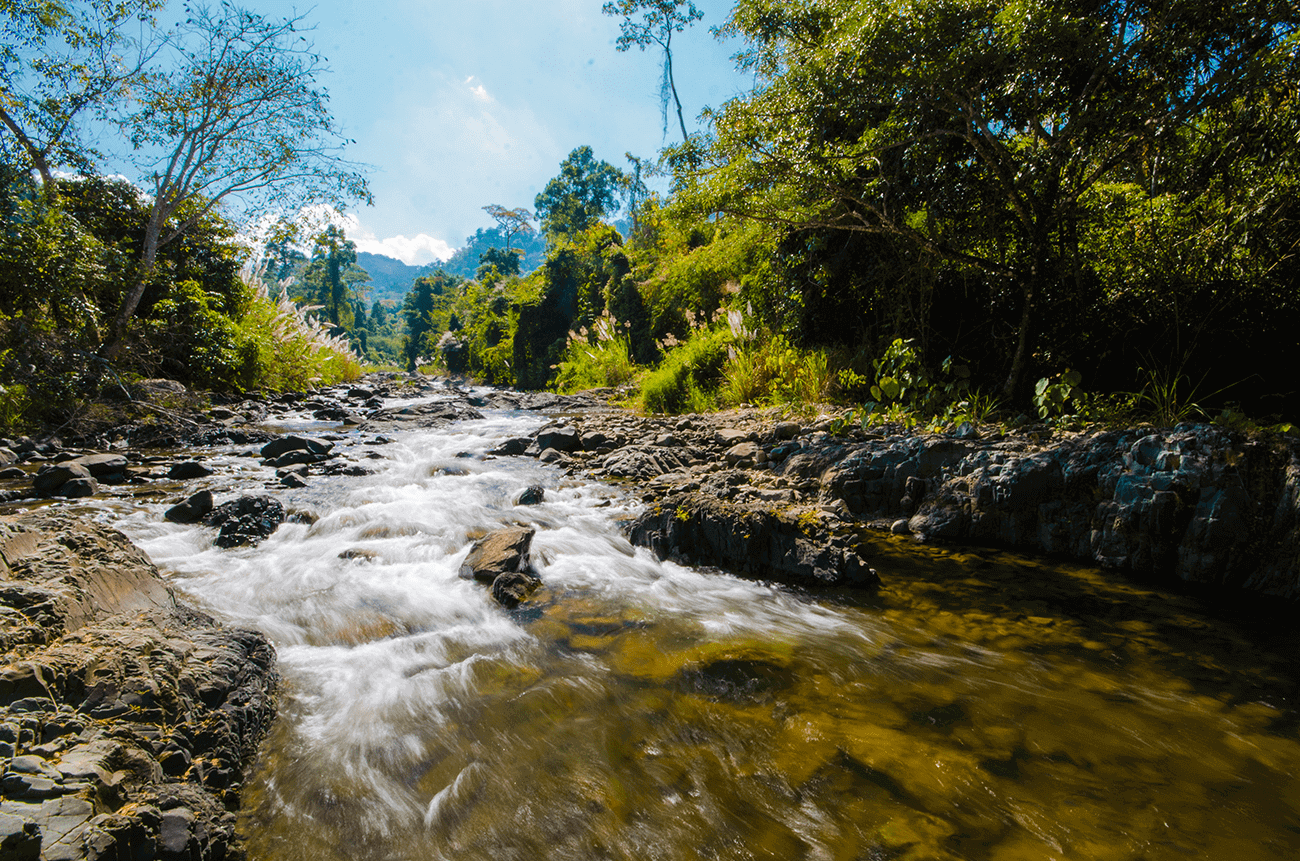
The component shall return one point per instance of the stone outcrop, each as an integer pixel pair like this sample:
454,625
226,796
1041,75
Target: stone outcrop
127,720
500,560
248,520
751,541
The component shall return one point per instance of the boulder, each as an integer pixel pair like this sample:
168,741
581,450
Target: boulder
109,466
752,542
7,457
191,510
534,494
745,454
512,447
188,469
513,588
500,552
245,521
562,439
277,447
53,476
78,488
12,472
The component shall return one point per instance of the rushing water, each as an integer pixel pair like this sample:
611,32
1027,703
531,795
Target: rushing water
981,706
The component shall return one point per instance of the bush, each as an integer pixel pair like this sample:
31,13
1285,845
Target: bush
688,376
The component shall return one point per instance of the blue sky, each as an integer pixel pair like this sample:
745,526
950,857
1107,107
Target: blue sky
457,105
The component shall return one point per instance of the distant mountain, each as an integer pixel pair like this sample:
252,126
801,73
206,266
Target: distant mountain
390,278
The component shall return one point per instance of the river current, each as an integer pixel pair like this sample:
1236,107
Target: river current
979,706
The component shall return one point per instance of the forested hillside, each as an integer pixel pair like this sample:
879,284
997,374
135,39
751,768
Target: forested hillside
933,211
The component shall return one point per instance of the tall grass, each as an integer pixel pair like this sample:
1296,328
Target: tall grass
282,347
606,362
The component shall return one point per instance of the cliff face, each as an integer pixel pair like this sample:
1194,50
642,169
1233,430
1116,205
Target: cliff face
126,719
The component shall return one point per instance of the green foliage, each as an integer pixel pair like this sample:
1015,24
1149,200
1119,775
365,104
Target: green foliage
281,347
585,191
1052,394
602,358
687,378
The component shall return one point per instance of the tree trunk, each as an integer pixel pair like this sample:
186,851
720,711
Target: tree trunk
1012,385
668,58
131,301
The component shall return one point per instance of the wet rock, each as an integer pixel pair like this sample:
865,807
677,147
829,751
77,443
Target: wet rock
425,415
550,455
512,447
500,552
749,541
192,510
292,458
512,588
245,521
285,444
189,469
532,495
293,480
53,476
78,488
12,472
562,439
106,466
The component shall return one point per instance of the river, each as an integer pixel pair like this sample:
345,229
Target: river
979,706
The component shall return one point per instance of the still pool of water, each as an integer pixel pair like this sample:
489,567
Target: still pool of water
980,706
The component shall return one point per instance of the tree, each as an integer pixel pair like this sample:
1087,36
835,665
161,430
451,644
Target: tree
584,191
235,116
334,255
58,61
658,20
976,132
510,221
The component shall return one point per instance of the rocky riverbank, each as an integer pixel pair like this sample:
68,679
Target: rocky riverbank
793,501
127,719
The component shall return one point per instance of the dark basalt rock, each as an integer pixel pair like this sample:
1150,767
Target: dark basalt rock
513,588
191,510
245,521
534,494
749,541
188,469
285,444
562,439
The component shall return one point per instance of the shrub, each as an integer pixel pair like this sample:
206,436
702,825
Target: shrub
688,376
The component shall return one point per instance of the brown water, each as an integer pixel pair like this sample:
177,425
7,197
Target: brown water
980,706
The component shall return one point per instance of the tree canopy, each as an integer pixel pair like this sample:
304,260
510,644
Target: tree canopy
582,193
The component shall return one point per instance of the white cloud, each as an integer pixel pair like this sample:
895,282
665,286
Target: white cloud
480,92
413,251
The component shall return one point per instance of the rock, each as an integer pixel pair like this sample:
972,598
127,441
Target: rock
728,437
78,488
900,527
512,447
108,466
221,414
293,480
512,588
532,495
752,542
192,510
7,457
432,414
53,476
786,430
12,472
667,440
593,440
245,521
500,552
188,469
285,444
550,455
359,553
20,839
745,454
562,439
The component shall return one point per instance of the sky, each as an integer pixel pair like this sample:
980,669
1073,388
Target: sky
457,104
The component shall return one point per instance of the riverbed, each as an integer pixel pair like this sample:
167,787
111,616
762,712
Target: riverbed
980,705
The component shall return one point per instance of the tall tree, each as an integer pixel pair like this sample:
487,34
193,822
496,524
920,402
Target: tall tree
584,191
977,131
58,61
647,22
510,222
334,258
232,112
